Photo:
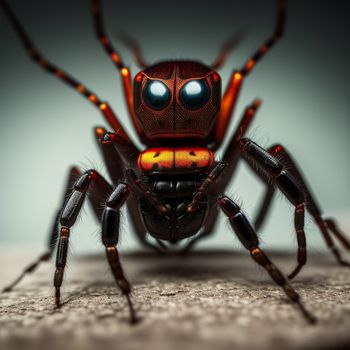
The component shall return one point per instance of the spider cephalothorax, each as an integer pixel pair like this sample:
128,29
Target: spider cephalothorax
177,99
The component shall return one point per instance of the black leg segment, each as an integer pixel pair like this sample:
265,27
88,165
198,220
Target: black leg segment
110,237
328,227
275,172
53,234
246,234
68,217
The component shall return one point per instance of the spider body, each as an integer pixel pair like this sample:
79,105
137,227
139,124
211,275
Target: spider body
174,175
174,188
175,103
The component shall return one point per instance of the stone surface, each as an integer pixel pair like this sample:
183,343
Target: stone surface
215,300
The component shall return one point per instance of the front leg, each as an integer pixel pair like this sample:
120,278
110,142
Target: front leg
68,216
247,235
110,231
204,187
110,238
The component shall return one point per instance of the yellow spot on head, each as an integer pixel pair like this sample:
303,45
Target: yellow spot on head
103,106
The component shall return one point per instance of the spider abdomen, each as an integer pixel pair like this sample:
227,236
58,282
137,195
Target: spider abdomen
177,223
176,193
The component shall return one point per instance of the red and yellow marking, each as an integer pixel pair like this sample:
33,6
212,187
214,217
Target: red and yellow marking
175,159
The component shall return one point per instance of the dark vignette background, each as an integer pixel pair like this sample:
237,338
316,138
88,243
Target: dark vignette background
46,126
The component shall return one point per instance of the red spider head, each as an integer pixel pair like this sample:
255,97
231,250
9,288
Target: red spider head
177,99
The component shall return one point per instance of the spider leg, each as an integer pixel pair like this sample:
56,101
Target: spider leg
265,205
276,172
205,186
129,153
116,59
115,167
110,237
134,47
53,234
110,229
113,143
226,49
230,158
246,234
328,227
69,214
146,191
232,153
271,41
233,88
38,58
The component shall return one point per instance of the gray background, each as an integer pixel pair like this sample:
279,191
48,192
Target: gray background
46,126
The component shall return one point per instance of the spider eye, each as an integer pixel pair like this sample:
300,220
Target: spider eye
156,94
195,94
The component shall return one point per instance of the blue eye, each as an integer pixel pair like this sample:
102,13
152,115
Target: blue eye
156,94
195,94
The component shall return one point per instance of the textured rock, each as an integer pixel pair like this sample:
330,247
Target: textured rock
213,300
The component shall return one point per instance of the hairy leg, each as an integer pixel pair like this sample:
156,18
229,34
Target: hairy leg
53,233
249,239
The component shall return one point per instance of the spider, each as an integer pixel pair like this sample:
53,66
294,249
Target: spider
171,187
